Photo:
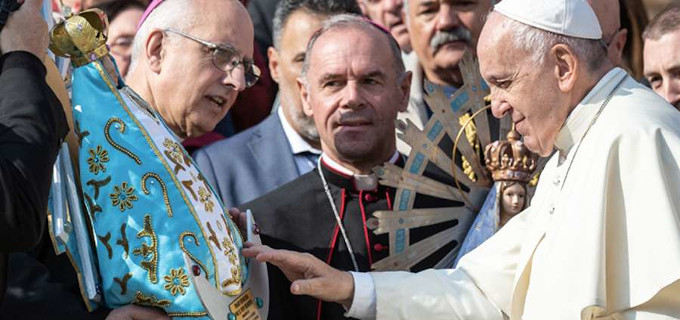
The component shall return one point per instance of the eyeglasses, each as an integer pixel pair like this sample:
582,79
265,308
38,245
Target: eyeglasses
226,58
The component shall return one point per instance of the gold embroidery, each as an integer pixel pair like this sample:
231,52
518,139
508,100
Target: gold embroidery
80,135
187,314
471,135
164,190
213,236
123,242
98,184
123,283
94,208
174,152
149,300
118,147
204,196
145,250
188,186
97,159
123,196
235,278
105,240
149,141
185,250
176,281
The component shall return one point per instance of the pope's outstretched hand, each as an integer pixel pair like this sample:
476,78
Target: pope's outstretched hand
309,275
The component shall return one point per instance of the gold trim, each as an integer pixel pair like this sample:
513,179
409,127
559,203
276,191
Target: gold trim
455,147
151,266
114,90
150,300
191,256
164,190
118,147
187,314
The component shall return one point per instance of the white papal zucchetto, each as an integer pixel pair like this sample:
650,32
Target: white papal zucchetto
573,18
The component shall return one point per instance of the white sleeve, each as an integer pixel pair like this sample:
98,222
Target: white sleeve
363,302
431,294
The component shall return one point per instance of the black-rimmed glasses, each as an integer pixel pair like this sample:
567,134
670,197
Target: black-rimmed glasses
227,58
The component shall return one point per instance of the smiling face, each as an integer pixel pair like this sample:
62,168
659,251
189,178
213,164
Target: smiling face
388,14
190,93
528,92
441,31
354,95
662,66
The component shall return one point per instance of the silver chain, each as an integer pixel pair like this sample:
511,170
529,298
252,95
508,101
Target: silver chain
590,125
337,215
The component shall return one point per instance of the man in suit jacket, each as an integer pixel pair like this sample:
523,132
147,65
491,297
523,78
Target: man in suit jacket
286,144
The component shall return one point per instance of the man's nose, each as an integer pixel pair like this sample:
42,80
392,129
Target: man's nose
447,17
672,92
236,79
392,6
351,96
499,107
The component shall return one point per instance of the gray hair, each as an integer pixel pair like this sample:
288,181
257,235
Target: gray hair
171,14
538,43
286,8
352,21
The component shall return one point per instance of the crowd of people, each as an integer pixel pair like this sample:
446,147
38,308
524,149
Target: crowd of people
326,82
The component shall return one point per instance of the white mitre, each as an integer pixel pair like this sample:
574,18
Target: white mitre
573,18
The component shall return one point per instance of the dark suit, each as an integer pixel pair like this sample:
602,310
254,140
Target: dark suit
32,125
250,163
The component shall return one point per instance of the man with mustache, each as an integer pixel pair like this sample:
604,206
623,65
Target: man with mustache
353,84
286,144
440,32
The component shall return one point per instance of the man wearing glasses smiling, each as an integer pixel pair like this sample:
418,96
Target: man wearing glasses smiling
190,59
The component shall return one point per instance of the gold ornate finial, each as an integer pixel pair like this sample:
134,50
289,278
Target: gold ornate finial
510,160
81,37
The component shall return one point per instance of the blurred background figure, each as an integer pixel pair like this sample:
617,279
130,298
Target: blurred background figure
634,18
662,54
388,13
124,15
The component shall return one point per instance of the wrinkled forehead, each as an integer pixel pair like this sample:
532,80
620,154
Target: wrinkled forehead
225,22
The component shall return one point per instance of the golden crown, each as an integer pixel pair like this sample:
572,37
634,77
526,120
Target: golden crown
81,37
510,159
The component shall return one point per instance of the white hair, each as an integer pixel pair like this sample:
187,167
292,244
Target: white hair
538,43
171,14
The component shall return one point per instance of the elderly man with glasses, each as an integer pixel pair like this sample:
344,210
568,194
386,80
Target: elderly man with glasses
190,60
190,72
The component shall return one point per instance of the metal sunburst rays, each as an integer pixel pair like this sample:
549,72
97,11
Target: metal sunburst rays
432,147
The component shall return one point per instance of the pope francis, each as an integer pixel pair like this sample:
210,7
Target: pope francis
601,239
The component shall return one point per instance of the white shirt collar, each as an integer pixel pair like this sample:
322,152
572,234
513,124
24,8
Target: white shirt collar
297,144
578,121
362,181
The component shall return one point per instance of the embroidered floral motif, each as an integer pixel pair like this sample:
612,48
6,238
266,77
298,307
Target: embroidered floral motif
123,196
176,281
204,197
97,159
149,300
174,152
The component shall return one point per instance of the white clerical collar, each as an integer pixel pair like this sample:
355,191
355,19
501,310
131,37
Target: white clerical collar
297,143
578,121
361,181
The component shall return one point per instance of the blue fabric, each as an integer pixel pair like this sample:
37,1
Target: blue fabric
124,247
249,164
484,226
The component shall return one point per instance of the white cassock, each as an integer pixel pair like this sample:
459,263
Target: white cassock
602,244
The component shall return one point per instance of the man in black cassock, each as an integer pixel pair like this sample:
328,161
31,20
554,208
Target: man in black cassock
353,84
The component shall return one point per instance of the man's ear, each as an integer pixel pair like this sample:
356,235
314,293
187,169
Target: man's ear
566,66
304,96
153,50
273,56
616,46
405,90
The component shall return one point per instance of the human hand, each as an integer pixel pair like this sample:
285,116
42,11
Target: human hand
25,30
309,275
135,312
241,220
